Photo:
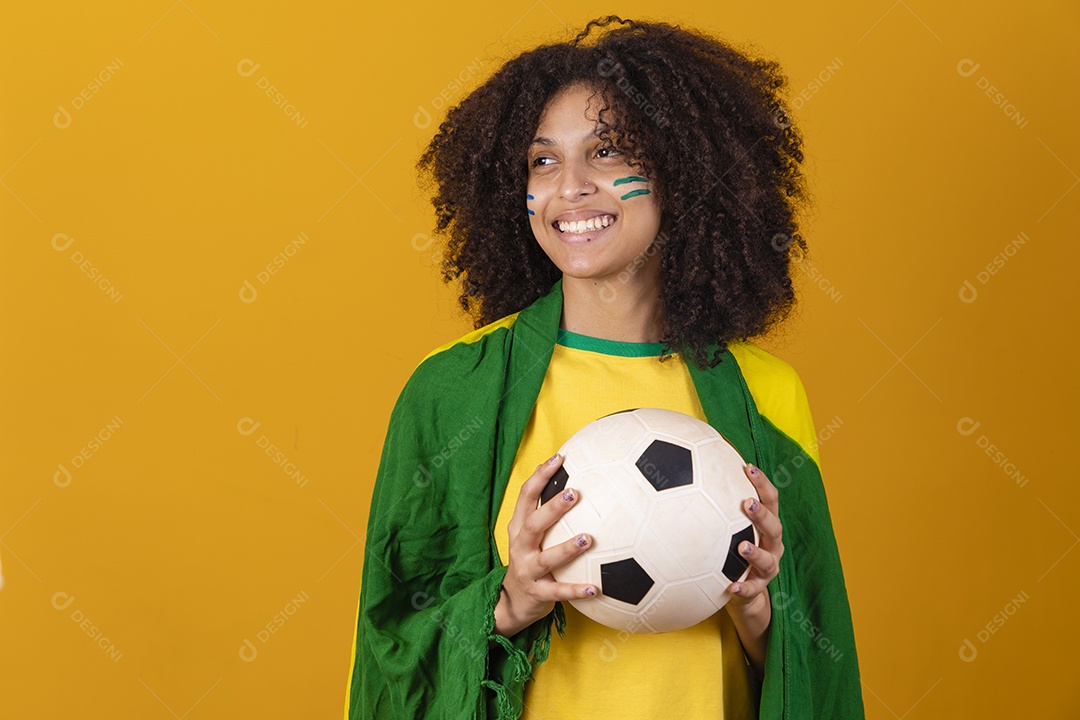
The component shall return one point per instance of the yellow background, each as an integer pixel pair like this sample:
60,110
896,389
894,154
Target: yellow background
178,540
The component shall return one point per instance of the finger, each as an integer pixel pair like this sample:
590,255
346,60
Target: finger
530,491
569,591
766,521
531,488
748,589
765,489
537,522
764,566
558,555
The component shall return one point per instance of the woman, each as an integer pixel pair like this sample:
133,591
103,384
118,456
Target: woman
606,203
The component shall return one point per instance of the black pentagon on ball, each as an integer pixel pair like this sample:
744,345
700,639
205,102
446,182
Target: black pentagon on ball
736,563
554,486
666,465
625,580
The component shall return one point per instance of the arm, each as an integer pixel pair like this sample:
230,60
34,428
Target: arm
811,668
752,624
425,640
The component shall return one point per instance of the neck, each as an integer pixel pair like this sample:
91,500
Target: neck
613,310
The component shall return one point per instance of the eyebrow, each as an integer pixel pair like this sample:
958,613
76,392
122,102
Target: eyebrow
549,142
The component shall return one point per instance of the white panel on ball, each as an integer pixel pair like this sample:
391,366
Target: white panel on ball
619,432
684,428
676,603
689,516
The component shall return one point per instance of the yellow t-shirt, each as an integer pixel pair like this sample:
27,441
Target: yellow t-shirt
692,674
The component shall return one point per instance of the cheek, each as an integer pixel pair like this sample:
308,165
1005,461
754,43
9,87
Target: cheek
537,226
641,204
654,206
535,206
536,199
629,187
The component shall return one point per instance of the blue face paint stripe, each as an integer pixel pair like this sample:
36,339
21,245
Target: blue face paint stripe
634,193
530,197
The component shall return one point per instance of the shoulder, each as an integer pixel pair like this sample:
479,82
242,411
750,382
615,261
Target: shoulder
779,394
473,342
454,367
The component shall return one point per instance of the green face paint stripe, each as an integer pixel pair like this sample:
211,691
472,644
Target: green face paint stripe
632,178
635,193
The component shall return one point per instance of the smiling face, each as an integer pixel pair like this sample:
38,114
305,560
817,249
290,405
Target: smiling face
592,213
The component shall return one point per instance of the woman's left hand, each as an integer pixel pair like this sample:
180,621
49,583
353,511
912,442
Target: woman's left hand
764,559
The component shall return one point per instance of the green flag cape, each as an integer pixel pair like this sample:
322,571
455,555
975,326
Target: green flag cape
432,573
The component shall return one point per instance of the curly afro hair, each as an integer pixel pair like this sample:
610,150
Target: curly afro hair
704,122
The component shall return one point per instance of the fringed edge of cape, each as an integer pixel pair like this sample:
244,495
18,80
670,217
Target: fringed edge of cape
521,663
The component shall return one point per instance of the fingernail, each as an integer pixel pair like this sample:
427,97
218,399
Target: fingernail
590,591
568,496
753,469
753,505
737,590
582,541
552,458
747,549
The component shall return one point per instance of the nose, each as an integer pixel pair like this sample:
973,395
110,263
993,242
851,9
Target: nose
575,180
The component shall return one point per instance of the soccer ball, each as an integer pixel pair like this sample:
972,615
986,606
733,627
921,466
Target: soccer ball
661,495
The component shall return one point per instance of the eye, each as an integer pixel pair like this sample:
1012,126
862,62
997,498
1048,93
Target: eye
610,150
537,159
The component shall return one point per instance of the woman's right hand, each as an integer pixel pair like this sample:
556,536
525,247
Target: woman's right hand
529,590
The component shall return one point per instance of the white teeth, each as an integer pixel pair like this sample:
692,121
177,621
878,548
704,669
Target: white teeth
580,226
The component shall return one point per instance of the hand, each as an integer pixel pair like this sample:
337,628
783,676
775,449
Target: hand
764,559
749,606
529,590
